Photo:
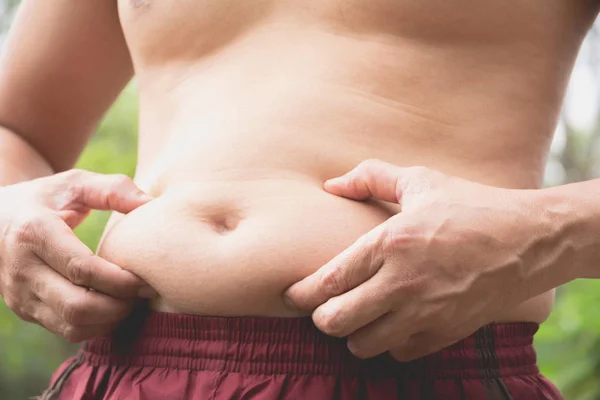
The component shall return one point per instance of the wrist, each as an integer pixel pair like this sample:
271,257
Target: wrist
569,242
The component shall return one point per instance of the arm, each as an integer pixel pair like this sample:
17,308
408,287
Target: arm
572,216
455,258
63,64
18,160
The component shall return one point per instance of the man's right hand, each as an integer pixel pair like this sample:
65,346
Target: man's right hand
46,272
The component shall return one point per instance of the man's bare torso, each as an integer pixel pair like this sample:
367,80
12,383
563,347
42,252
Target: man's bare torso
247,107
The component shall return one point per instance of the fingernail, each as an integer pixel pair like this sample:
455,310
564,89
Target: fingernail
140,197
147,292
334,180
145,196
351,346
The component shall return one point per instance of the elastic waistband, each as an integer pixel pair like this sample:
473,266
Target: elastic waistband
266,345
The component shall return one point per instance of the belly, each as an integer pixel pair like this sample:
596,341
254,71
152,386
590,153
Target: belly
231,247
229,230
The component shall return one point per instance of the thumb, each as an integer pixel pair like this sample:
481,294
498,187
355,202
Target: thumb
370,178
116,192
352,267
385,181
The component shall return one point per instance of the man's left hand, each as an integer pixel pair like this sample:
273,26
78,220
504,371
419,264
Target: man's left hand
456,257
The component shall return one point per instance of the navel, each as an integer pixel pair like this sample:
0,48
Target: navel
224,224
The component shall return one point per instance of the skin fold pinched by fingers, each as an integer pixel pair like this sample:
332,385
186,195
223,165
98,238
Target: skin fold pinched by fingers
75,316
344,314
66,254
353,266
77,305
47,318
442,256
386,332
46,272
371,178
114,192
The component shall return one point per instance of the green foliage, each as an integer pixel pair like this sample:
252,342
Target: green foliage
568,344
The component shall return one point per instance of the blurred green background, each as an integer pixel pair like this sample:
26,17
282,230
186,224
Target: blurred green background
568,343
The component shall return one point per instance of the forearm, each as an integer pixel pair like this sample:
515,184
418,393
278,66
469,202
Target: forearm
19,161
572,215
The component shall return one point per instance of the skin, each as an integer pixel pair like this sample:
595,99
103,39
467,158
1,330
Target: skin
444,287
47,271
47,116
246,109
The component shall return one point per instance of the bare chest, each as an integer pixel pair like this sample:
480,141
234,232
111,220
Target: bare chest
163,29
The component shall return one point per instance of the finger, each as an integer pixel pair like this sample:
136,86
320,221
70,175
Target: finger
371,178
76,305
17,302
342,315
347,270
45,317
381,335
60,248
420,345
105,192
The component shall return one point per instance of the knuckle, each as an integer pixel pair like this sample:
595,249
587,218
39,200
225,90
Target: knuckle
401,355
14,274
18,307
374,238
13,303
25,313
78,271
365,346
369,163
420,180
418,171
396,238
37,314
118,185
27,232
72,182
364,169
27,318
72,334
73,174
17,276
38,285
359,351
119,182
333,281
72,310
330,323
403,236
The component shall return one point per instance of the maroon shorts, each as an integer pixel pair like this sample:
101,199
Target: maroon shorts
179,357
